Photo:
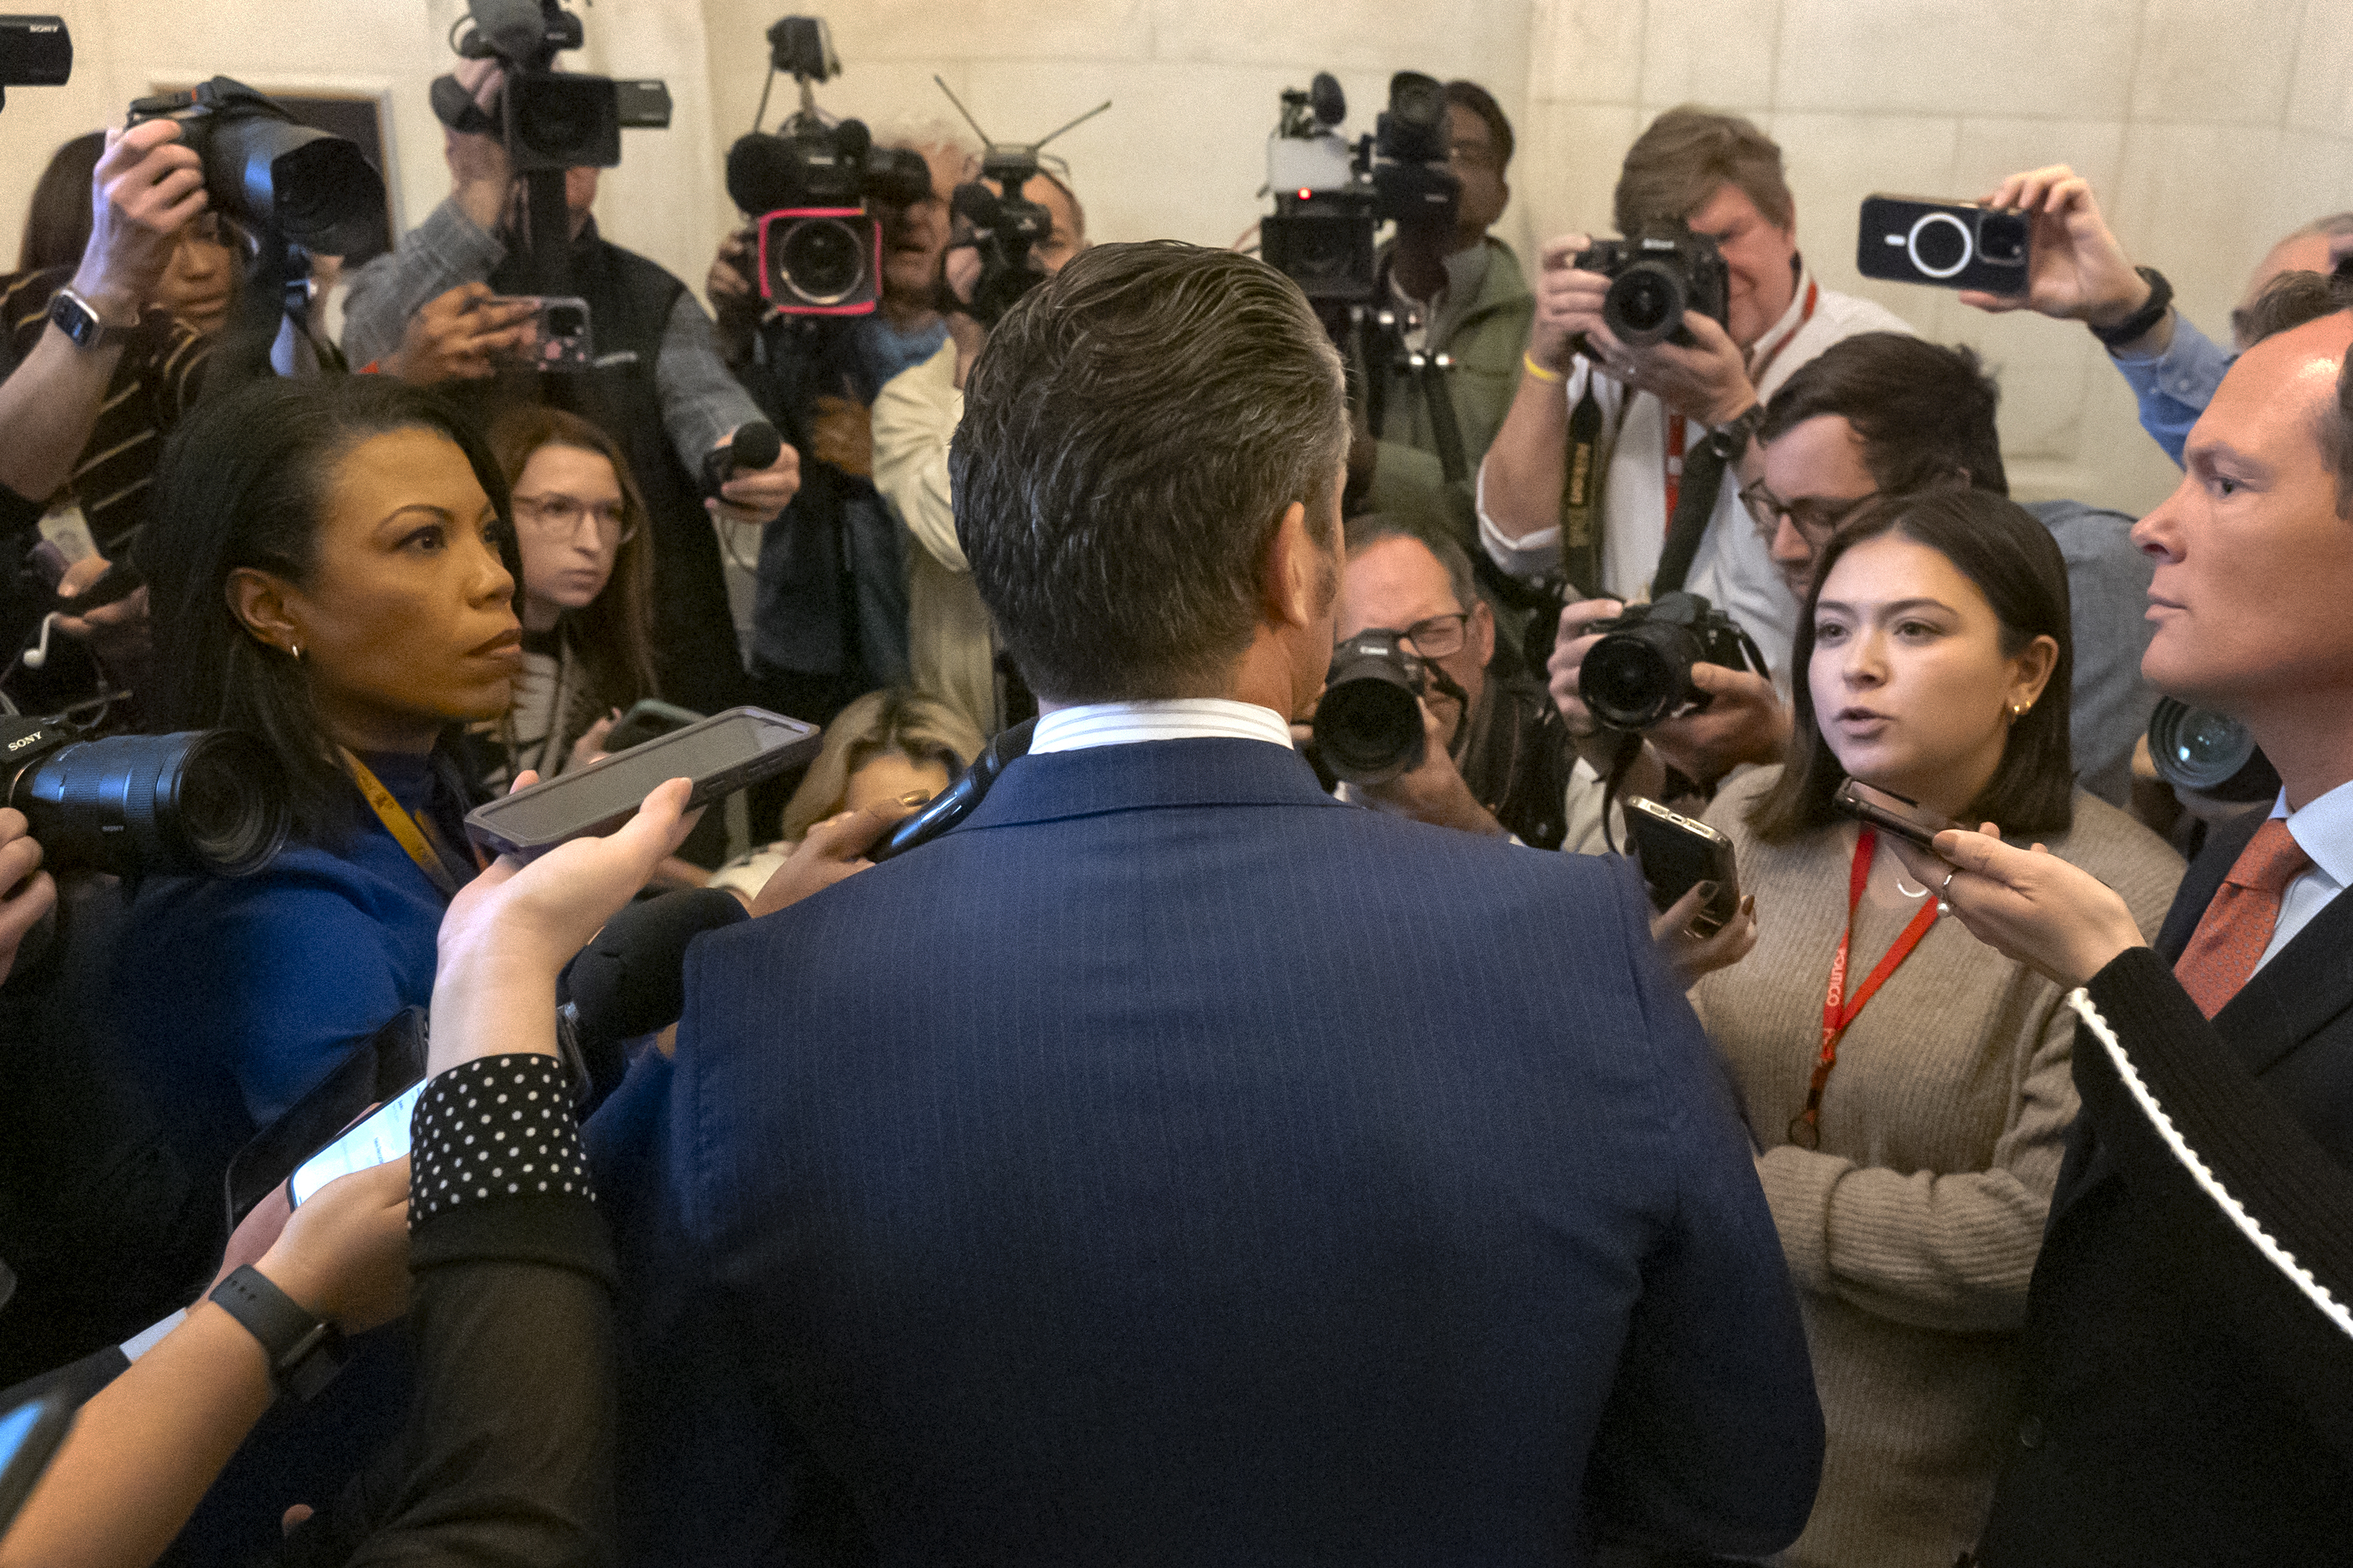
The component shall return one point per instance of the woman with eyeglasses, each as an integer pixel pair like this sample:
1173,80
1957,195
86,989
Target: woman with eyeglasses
586,599
1908,1090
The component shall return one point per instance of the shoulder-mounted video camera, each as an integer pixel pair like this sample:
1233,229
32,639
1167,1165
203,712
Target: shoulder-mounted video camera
548,120
35,51
1330,195
1003,225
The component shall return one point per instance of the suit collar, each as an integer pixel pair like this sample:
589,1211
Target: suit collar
1148,775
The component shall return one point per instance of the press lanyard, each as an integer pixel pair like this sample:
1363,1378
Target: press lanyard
414,833
1838,1012
1677,427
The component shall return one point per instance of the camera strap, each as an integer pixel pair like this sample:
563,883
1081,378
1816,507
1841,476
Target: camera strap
1838,1012
413,831
1580,494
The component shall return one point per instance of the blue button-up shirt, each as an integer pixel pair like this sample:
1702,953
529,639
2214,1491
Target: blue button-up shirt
2175,386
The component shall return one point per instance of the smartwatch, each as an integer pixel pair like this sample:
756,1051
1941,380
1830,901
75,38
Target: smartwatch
304,1353
2138,325
79,320
1731,438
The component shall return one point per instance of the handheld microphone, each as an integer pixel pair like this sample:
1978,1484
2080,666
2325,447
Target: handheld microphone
630,979
960,799
756,446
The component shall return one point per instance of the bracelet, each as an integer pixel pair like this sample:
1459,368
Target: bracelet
1540,371
2141,322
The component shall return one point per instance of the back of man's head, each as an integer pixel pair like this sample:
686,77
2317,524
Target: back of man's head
1132,434
1924,412
1686,155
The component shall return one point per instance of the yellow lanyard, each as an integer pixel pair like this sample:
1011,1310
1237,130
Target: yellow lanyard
414,833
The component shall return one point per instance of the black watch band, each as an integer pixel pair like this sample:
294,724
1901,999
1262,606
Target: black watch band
304,1353
2138,325
1730,439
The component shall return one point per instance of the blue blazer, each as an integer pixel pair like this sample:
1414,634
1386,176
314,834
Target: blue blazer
1174,1165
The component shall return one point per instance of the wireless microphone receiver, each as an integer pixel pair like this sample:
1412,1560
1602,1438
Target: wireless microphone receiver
756,446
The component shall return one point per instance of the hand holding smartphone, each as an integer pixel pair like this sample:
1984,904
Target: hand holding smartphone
1891,813
1677,853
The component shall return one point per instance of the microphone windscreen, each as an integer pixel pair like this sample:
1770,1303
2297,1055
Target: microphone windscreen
630,979
514,28
1323,95
761,175
977,204
758,444
852,140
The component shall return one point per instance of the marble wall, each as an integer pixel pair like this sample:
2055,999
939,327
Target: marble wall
2209,127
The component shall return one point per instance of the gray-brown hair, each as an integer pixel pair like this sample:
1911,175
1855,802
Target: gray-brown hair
1678,163
2291,300
1368,529
1132,434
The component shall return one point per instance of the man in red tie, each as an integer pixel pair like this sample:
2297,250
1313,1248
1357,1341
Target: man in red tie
2189,1385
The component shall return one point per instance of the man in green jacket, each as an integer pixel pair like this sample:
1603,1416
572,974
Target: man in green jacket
1458,294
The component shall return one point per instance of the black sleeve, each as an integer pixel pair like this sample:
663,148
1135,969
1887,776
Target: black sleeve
507,1457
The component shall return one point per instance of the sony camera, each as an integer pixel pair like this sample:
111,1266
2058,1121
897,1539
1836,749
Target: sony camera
1953,244
1655,276
1640,672
199,803
35,51
1330,195
273,175
1368,722
2206,753
548,120
1005,230
810,185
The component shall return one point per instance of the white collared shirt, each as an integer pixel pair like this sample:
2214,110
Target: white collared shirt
1175,719
2324,830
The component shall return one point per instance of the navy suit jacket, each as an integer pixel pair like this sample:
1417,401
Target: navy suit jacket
1174,1165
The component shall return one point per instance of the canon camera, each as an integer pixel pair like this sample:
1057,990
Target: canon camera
271,175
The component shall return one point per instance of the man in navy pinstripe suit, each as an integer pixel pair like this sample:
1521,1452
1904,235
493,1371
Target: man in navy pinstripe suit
1172,1164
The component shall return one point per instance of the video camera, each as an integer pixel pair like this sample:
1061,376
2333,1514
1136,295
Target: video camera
199,803
35,51
271,175
1330,196
810,184
1656,275
550,120
1005,225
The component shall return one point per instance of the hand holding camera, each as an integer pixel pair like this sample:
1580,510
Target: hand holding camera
29,892
148,187
2077,271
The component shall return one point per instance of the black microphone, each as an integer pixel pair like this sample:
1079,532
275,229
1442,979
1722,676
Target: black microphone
756,446
630,979
762,173
977,204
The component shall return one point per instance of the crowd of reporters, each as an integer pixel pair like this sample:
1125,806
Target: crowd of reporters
446,574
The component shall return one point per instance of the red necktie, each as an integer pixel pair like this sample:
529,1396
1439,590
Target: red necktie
2238,925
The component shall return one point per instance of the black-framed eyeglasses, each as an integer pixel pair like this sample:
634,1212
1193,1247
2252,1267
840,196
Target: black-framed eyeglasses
1439,636
557,516
1815,517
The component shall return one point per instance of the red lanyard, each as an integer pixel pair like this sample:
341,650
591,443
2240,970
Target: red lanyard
1838,1012
1677,435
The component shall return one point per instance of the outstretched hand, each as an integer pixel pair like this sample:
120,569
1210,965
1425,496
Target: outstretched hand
511,930
2029,905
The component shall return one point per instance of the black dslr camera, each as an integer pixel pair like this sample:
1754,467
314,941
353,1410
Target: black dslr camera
1368,724
1329,197
809,186
271,175
1655,276
1640,672
200,803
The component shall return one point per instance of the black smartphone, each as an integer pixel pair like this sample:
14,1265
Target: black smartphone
723,753
381,1135
1948,244
1891,813
29,1437
117,582
1677,853
647,719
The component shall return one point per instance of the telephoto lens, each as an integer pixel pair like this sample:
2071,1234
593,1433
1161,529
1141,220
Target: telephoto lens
2208,754
199,803
1368,724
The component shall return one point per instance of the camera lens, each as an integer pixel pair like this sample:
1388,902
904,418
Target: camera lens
1644,305
821,260
2002,239
1633,679
1368,724
203,802
2197,750
318,191
1940,245
567,320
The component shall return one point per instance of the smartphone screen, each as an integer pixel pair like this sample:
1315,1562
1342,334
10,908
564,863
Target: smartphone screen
725,753
29,1436
382,1135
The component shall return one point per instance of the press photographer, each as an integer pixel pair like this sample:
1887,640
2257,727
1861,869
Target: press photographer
1416,718
1631,415
658,386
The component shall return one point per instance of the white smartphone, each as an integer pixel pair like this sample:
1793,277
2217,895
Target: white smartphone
381,1135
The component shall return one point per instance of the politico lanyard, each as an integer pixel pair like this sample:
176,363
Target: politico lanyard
1838,1012
413,832
1677,426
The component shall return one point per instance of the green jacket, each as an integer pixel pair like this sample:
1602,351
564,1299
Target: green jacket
1408,483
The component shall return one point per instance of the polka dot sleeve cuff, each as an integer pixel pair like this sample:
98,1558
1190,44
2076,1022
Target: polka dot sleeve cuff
496,1126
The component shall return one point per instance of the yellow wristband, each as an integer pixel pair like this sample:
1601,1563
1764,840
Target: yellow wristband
1539,372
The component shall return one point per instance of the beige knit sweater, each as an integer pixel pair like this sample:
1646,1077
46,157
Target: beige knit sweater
1912,1231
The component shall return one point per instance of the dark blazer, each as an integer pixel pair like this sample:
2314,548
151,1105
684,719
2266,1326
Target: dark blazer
2186,1404
1174,1165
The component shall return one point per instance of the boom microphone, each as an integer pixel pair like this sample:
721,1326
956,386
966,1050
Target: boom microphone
756,445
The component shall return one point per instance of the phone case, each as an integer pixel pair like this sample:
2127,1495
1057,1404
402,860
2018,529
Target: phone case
1943,244
1905,819
1677,853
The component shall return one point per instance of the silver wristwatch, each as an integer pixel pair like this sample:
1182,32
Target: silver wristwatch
79,320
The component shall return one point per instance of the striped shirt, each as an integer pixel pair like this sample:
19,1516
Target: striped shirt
155,381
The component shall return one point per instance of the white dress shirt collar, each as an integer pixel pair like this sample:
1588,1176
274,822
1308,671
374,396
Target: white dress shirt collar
1175,719
2324,830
